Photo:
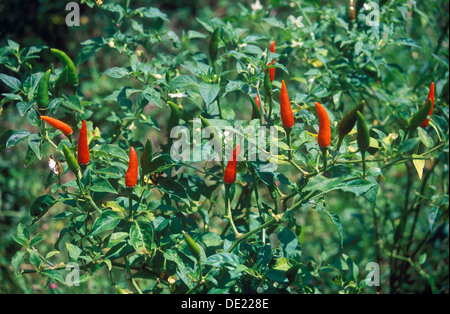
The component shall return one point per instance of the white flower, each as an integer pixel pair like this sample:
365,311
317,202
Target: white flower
242,45
111,43
256,6
157,76
177,95
52,165
295,43
297,22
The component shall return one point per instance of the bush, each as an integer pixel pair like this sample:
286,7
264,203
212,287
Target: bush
351,198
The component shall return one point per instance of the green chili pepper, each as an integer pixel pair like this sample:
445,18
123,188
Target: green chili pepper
147,156
214,45
416,120
269,92
174,117
256,113
362,138
348,122
72,75
70,159
42,91
193,247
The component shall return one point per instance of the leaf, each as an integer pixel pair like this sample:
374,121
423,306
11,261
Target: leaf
141,236
34,142
174,189
288,241
73,251
117,72
40,206
12,82
160,163
276,275
16,137
337,223
209,92
352,267
108,220
222,259
17,260
102,186
433,217
425,138
419,164
114,151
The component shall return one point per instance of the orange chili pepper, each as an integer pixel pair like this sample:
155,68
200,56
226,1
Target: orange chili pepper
57,124
83,147
133,170
324,136
287,116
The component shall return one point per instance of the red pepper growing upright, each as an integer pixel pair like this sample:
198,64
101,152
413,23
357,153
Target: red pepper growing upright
230,171
133,170
57,124
271,69
83,147
287,116
324,136
430,96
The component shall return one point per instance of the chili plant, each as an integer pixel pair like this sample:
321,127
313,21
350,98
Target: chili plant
198,170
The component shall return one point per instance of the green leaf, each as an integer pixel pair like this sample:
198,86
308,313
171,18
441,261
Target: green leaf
114,151
337,223
174,189
10,81
433,217
141,236
160,163
34,142
73,251
108,220
102,186
16,137
288,241
276,275
209,92
117,72
40,206
17,260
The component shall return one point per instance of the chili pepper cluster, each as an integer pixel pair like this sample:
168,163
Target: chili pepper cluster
345,126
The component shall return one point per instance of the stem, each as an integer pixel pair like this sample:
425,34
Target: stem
133,282
364,164
228,209
79,182
288,134
324,157
130,202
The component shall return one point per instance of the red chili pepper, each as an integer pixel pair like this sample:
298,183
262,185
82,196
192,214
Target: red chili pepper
272,70
287,117
57,124
133,169
230,171
83,147
324,136
430,96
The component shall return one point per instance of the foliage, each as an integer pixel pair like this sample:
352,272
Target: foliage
301,228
